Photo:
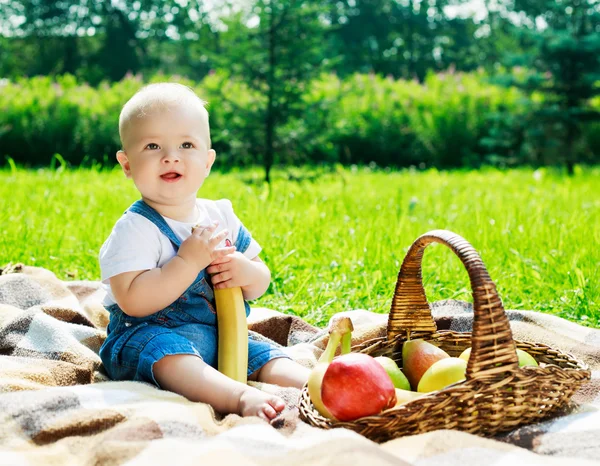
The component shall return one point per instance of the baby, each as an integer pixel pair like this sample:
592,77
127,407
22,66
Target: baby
160,276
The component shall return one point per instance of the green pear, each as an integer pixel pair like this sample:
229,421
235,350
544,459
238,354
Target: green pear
418,356
525,359
398,378
441,374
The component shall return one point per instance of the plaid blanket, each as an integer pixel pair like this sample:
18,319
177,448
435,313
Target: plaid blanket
58,407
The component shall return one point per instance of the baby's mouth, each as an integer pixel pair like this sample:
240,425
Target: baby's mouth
171,176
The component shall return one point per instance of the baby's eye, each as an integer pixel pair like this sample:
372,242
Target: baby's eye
187,145
152,146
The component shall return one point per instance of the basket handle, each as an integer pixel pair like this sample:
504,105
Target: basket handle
493,348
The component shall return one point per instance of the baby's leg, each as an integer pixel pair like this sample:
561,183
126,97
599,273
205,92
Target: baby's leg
191,377
283,372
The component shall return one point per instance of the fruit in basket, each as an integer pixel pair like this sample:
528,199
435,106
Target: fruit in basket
352,385
404,396
465,355
340,330
418,356
355,385
441,374
398,378
525,359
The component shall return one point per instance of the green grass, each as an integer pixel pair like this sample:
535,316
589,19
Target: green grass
335,241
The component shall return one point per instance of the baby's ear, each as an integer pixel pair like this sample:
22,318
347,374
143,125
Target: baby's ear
124,162
210,159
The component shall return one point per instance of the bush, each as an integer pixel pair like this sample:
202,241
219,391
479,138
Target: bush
451,120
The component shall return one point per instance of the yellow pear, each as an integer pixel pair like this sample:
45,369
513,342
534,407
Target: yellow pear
525,359
404,396
441,374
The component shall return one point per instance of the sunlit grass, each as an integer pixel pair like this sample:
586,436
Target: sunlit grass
335,241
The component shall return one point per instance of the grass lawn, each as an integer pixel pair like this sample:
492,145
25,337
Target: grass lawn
335,241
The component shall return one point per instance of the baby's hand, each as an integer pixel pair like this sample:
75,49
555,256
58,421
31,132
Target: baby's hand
200,249
253,402
231,270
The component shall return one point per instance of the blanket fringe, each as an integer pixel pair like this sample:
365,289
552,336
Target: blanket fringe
11,268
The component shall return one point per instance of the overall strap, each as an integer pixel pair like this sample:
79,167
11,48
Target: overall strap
243,239
140,207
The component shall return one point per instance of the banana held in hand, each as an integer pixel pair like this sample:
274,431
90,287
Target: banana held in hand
233,333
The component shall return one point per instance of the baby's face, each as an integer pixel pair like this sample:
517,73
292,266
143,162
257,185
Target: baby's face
166,154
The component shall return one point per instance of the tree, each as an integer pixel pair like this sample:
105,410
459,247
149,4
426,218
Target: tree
51,27
98,40
565,65
275,48
402,38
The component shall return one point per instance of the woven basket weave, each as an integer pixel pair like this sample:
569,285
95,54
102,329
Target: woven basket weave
497,395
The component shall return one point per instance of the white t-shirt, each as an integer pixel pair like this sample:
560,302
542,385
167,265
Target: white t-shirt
135,243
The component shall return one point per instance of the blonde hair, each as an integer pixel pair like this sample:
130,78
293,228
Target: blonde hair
161,96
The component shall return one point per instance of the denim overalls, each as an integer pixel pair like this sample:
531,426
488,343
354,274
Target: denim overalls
187,326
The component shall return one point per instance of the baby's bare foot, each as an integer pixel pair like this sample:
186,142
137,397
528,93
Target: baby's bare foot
253,402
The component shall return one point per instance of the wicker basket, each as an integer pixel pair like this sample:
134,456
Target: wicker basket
497,395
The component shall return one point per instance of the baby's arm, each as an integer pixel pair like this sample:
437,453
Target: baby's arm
141,293
260,282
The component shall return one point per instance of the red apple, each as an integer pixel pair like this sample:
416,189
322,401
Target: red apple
352,385
356,385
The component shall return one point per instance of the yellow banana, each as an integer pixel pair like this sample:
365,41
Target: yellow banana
232,326
340,331
233,334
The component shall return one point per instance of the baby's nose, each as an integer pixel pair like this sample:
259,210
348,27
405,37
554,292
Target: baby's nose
171,156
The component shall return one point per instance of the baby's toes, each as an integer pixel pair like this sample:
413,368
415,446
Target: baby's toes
262,413
269,412
277,403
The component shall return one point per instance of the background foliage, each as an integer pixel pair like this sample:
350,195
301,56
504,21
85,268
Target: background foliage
450,120
395,82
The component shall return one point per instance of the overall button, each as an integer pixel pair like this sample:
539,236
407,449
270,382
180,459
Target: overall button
127,324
